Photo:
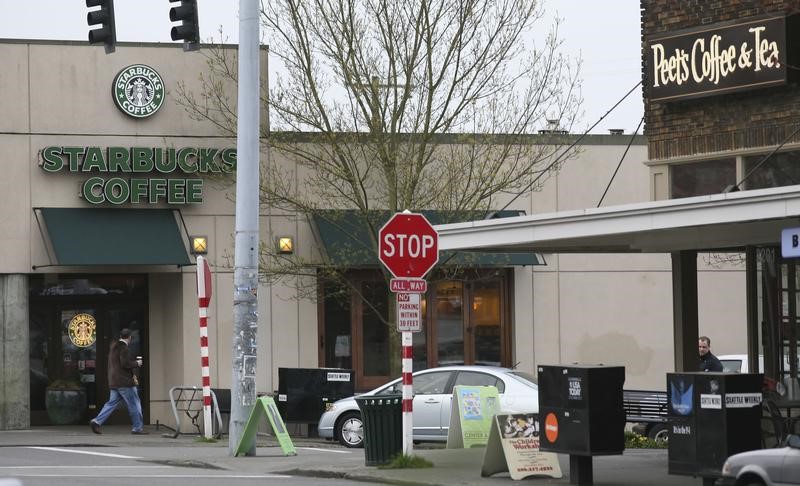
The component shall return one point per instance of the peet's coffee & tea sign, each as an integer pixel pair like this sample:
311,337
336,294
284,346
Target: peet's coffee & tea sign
721,58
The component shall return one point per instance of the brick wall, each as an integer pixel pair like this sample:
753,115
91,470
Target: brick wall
726,122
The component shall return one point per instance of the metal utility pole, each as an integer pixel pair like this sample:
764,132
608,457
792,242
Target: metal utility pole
245,274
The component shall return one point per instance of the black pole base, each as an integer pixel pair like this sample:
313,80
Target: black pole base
580,470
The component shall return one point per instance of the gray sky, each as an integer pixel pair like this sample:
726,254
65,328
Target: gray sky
606,34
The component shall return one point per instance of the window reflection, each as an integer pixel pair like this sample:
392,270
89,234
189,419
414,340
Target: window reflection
375,338
450,323
781,169
701,178
59,285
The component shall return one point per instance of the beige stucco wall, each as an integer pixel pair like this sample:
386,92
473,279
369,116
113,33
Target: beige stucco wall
615,309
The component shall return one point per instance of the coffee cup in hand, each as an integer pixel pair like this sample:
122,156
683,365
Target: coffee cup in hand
139,360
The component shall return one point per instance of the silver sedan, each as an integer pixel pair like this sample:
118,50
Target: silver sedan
433,394
767,467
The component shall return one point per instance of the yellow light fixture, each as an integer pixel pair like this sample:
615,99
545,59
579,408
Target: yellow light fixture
285,245
199,245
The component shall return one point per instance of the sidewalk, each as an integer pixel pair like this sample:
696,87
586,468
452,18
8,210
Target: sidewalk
320,458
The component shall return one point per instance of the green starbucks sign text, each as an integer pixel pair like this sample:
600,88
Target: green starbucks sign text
123,175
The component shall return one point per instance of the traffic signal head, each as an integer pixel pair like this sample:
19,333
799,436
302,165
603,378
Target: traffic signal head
189,29
104,17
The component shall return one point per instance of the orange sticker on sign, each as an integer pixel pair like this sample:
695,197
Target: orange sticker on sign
551,427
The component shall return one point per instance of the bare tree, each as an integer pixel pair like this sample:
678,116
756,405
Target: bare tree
401,104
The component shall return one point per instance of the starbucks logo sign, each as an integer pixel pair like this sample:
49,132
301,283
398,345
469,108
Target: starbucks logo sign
138,91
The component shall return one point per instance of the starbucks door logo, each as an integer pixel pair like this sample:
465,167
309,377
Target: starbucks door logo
138,91
83,330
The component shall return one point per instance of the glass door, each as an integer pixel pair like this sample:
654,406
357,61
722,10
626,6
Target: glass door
449,319
78,350
74,319
472,333
373,334
484,336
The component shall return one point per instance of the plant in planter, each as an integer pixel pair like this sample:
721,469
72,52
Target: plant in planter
65,401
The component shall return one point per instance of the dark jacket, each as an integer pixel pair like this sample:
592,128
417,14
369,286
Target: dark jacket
709,362
120,366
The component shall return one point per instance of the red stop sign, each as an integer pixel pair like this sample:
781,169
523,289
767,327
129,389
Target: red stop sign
408,245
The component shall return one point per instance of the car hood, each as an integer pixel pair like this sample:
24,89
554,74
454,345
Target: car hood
749,456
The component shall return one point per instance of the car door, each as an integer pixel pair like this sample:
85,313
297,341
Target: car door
467,378
430,392
790,473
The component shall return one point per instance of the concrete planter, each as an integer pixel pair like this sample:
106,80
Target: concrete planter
65,406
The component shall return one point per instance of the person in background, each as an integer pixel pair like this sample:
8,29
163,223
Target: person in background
708,362
122,382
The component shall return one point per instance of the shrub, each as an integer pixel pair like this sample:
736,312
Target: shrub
636,441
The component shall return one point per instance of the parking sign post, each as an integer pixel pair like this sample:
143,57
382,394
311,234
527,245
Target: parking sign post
408,247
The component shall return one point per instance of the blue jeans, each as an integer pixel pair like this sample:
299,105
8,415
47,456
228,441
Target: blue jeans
131,398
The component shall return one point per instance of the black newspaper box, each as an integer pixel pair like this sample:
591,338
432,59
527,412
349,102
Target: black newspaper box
711,416
304,393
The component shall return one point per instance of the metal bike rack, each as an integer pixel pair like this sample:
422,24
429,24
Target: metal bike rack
189,400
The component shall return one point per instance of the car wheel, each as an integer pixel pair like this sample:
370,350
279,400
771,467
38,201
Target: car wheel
659,433
350,430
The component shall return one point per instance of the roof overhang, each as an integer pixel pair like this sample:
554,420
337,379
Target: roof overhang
719,222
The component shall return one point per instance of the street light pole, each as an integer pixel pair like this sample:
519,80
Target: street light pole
245,275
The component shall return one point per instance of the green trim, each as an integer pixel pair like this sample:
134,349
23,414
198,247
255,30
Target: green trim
349,238
104,236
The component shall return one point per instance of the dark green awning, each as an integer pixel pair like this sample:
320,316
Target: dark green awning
105,236
348,240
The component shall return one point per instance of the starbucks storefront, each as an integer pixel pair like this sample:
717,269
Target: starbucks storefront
73,321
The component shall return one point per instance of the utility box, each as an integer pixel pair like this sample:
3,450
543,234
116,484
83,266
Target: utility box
581,409
711,416
304,393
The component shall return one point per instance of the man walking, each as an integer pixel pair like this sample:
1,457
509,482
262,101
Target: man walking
122,382
708,362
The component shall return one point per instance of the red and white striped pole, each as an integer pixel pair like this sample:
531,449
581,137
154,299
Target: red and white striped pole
204,297
408,393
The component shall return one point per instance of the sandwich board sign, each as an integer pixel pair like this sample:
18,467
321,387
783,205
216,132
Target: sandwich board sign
471,413
513,447
265,406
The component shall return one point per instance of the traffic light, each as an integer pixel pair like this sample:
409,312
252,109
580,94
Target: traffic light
189,30
104,16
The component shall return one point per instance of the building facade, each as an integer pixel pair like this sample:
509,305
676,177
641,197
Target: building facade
721,108
108,179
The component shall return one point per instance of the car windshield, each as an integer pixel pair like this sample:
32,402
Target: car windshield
524,377
392,388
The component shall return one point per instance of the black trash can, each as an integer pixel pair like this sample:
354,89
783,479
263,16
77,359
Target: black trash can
383,427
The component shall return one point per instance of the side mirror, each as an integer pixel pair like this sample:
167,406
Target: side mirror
793,441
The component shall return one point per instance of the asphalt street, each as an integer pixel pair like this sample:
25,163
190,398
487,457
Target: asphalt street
69,456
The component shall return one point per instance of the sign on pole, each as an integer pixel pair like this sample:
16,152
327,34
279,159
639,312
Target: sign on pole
204,298
790,242
408,245
409,313
415,285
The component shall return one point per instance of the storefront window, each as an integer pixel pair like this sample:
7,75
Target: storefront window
338,349
65,285
463,322
486,322
450,322
781,169
701,178
375,332
420,339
